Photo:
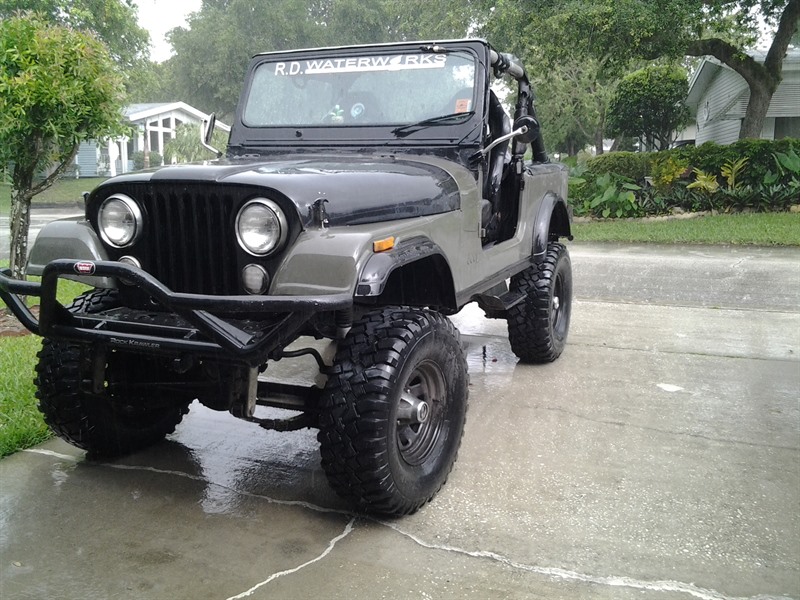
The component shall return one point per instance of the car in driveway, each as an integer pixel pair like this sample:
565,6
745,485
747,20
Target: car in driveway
366,193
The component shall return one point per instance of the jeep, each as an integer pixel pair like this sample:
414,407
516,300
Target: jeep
367,192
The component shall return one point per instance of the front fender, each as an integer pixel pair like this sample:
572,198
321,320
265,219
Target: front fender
70,238
375,274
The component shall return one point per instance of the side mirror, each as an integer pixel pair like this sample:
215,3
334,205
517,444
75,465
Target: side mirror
206,131
531,126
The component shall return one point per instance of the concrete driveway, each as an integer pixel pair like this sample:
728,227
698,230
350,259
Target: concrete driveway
657,458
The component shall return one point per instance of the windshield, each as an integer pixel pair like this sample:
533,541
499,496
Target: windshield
370,89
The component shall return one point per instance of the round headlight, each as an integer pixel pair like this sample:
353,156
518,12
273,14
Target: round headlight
261,227
120,221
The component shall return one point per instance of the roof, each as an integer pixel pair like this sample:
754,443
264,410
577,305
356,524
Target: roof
376,45
140,112
711,67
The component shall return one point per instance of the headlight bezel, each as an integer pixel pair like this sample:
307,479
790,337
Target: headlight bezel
134,210
283,225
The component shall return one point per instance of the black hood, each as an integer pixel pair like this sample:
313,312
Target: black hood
358,189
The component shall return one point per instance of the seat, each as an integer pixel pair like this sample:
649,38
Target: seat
499,125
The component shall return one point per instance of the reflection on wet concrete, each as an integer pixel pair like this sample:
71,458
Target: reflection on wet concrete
240,457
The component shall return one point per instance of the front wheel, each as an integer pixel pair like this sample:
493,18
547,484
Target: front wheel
394,412
134,410
538,326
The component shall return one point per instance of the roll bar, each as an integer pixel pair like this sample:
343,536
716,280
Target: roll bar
508,63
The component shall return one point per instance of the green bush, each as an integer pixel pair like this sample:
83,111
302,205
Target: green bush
711,157
631,165
765,177
138,160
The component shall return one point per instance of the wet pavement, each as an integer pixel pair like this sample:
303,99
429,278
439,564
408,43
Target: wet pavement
657,458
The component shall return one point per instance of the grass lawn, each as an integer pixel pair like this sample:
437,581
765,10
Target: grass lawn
760,229
63,191
21,423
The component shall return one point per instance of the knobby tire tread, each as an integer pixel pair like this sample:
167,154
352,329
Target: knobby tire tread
529,327
353,422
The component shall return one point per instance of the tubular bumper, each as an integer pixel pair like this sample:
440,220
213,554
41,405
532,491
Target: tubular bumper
197,330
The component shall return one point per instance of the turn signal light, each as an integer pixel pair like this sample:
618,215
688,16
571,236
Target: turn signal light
383,245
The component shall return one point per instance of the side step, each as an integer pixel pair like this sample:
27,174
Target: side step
496,301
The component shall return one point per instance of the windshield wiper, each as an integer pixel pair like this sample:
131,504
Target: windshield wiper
405,130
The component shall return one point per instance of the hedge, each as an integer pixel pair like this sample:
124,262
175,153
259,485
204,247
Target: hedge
709,157
628,184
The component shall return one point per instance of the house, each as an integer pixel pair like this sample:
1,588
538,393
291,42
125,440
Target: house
155,124
718,98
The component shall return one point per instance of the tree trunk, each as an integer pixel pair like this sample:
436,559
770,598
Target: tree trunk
22,192
598,142
756,113
20,222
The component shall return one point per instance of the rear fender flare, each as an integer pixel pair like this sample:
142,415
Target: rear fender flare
552,223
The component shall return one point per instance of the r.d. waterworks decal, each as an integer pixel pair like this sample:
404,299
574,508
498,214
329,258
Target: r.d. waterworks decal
363,63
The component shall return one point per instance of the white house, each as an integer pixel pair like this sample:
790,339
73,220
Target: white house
718,98
155,123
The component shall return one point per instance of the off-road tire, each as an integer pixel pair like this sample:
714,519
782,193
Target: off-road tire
538,326
373,453
103,424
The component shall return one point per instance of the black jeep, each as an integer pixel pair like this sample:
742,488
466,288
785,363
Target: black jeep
366,193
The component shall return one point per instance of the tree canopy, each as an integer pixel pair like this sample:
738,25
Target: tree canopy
112,21
58,87
618,31
650,104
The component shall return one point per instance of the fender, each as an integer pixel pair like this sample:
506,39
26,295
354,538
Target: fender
552,222
68,238
417,254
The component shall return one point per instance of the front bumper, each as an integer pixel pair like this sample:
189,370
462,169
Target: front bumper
203,325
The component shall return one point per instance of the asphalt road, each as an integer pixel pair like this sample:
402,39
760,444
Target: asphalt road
657,458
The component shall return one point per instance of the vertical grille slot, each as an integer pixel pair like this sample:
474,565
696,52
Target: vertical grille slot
190,245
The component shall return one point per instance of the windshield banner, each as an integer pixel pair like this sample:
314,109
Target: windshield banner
400,62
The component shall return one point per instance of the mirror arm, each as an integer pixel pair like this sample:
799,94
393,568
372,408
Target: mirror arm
205,136
521,131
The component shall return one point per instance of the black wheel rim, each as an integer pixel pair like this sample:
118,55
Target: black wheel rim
559,305
420,419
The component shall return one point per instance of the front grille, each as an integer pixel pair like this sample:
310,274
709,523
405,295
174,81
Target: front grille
192,246
189,242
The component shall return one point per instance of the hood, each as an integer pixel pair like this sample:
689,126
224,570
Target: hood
358,189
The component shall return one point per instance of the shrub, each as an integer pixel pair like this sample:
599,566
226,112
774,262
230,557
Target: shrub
758,175
666,169
631,165
138,160
609,196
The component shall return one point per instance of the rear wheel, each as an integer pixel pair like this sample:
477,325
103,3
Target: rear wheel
538,326
117,420
394,412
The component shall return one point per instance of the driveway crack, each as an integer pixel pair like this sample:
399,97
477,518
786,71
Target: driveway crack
559,573
347,530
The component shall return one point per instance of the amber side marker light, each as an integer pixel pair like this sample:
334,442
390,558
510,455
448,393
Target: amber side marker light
383,245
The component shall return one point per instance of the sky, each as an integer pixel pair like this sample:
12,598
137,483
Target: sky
160,16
